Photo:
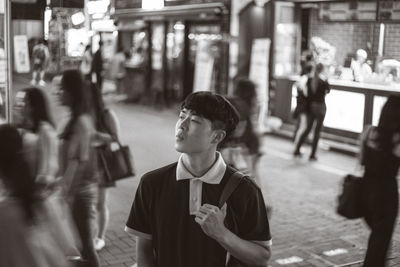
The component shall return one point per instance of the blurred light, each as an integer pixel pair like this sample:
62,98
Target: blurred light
98,16
90,33
191,36
47,18
115,33
152,4
142,35
179,26
78,18
98,6
98,25
260,3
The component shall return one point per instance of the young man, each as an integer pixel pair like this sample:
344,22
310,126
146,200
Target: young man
175,215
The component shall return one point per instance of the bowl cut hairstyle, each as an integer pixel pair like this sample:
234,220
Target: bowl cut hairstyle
214,107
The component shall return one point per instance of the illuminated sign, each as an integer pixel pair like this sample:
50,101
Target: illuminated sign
152,4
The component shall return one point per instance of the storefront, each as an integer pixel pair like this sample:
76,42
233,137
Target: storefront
175,50
333,31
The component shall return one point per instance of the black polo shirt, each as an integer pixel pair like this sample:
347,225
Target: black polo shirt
160,212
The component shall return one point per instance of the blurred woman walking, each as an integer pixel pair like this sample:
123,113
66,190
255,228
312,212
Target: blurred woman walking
79,161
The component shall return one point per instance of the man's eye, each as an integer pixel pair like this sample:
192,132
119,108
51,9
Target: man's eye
181,117
195,121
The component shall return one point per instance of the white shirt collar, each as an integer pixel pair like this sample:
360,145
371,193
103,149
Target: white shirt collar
213,176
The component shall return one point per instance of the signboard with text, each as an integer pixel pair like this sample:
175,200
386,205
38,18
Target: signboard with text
21,54
203,68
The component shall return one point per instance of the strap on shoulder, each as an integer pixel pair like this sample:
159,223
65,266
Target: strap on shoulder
233,182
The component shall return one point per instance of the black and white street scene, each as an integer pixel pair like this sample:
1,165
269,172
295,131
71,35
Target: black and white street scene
199,133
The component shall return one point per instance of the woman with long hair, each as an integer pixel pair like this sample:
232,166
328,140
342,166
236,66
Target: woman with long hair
40,136
380,155
107,127
23,242
317,88
42,154
79,161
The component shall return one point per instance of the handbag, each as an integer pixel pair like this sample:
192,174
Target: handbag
116,163
350,204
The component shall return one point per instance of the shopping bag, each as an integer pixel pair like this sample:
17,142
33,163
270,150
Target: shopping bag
117,163
350,199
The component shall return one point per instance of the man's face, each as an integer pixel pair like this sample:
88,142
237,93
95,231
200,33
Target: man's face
194,134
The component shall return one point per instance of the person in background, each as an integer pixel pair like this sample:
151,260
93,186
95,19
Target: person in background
22,242
40,58
317,88
302,105
118,71
361,70
244,137
79,161
108,129
97,67
86,64
380,155
177,204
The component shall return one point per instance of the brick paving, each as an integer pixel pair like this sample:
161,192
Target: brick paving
306,230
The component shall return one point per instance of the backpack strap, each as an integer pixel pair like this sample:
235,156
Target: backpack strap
231,185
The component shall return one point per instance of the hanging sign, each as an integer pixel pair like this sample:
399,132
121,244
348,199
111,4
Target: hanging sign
203,67
21,54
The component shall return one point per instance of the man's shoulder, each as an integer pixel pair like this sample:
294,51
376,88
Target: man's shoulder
247,184
160,173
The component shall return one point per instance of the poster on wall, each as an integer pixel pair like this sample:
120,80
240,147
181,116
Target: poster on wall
203,67
2,6
259,75
21,54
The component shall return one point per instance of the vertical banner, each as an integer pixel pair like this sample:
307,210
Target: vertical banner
21,54
259,72
203,68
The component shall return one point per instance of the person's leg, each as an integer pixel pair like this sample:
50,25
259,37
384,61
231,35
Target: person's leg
34,76
303,134
317,131
41,77
379,241
102,218
83,209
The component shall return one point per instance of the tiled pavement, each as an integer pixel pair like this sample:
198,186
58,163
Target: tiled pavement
306,230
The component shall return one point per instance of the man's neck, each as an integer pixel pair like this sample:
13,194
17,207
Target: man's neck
198,164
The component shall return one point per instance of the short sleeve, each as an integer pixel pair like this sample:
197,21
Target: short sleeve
254,224
139,220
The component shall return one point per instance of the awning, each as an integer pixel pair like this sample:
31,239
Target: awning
192,12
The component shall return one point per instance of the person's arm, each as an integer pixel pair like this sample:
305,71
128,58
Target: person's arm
112,123
144,252
48,154
211,220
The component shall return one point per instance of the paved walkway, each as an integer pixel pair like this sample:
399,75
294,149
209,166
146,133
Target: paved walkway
306,230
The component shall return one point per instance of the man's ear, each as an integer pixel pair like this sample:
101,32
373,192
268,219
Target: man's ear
219,136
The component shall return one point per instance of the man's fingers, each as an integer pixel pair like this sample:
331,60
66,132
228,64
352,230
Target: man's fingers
210,208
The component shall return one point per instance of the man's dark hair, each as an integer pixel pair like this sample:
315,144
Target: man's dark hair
215,108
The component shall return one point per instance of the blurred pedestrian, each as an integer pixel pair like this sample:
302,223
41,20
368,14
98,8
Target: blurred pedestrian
97,67
40,147
118,70
245,140
79,161
22,242
86,63
178,204
40,58
302,104
317,88
107,127
380,154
